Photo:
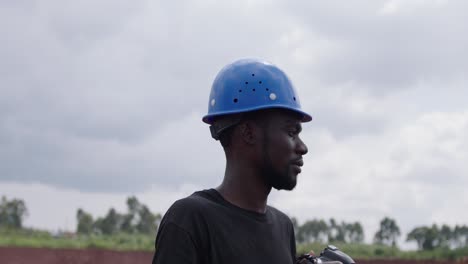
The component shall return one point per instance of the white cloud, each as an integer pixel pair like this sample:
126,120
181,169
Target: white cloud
413,173
398,6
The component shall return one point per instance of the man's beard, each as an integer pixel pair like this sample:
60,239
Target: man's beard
280,180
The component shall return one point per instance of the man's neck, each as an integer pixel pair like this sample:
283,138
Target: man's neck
244,189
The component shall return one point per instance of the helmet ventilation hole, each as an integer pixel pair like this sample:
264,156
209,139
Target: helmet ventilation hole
266,89
260,82
294,98
235,100
253,90
246,82
253,74
240,90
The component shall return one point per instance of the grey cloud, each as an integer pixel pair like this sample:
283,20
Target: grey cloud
89,90
343,124
168,158
386,52
133,70
86,86
449,175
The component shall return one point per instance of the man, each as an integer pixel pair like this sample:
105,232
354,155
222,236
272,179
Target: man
254,111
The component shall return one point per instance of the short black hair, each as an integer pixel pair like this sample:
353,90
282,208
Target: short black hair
225,137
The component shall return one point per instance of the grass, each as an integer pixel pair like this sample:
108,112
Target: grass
35,238
131,242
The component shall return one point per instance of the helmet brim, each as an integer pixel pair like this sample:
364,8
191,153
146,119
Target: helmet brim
210,118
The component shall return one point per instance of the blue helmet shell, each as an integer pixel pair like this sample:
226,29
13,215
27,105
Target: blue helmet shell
248,85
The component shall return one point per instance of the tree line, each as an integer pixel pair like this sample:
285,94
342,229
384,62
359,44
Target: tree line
426,237
432,237
328,231
12,213
322,231
138,219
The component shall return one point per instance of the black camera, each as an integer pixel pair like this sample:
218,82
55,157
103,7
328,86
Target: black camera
329,255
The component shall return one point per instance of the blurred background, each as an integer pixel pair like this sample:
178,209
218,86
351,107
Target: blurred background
101,103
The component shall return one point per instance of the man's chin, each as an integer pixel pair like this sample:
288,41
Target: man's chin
287,186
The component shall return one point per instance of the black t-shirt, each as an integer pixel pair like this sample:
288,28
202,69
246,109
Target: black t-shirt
205,228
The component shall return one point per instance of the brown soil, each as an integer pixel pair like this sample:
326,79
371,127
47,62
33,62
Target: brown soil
404,261
13,255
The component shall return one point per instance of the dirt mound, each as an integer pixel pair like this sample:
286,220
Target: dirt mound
407,261
12,255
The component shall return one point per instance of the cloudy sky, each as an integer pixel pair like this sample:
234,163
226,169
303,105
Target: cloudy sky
100,100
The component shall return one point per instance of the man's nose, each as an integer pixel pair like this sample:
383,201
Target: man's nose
301,147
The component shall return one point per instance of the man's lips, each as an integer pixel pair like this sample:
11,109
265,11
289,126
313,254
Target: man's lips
298,162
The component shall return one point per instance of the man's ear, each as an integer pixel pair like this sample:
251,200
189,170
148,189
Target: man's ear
249,132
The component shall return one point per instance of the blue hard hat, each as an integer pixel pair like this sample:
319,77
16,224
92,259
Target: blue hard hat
248,85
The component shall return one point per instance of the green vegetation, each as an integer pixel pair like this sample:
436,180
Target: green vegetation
133,230
432,238
136,229
388,233
43,239
12,213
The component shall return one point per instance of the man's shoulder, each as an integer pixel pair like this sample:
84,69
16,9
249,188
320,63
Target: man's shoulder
197,199
279,215
193,204
193,201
